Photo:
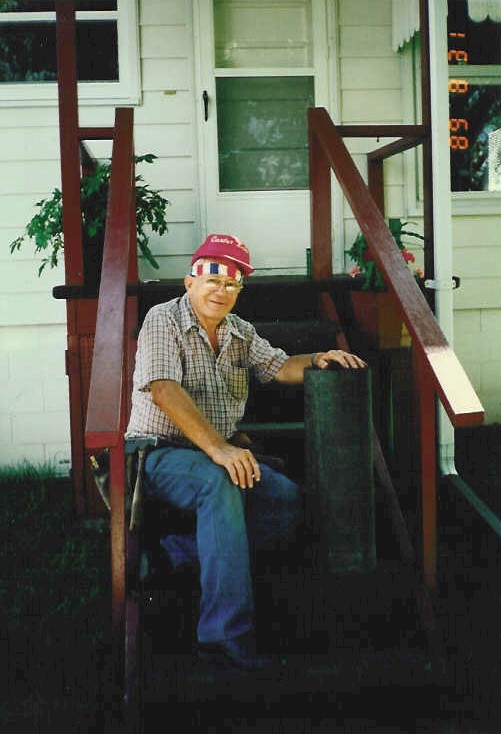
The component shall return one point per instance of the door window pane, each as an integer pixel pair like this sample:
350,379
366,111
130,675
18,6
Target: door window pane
270,35
262,132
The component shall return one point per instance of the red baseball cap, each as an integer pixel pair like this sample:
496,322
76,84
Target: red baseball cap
225,247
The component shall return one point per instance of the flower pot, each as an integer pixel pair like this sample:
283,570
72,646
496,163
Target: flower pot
377,317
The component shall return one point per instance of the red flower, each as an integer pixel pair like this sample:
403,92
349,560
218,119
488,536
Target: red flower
408,256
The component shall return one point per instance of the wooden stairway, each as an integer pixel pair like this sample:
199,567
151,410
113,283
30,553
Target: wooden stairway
345,638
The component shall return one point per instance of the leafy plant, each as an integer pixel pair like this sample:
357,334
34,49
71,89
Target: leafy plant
365,265
46,227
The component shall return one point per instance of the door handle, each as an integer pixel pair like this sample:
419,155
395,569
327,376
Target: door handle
205,98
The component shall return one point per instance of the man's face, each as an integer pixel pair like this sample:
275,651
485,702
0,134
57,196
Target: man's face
212,296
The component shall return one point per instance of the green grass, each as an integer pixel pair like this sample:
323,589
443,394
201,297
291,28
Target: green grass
55,599
54,602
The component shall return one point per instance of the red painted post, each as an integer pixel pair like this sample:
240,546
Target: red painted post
375,180
118,557
70,186
68,131
320,203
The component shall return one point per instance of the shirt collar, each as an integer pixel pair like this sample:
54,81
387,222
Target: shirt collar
188,318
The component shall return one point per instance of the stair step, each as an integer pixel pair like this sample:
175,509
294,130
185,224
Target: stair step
365,633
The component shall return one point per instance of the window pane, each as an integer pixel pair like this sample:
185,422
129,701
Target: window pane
262,132
26,6
39,6
28,51
97,51
474,44
474,41
474,118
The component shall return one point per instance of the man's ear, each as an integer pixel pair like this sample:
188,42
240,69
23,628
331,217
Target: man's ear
188,281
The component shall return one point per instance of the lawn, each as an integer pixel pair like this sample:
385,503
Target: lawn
55,597
54,602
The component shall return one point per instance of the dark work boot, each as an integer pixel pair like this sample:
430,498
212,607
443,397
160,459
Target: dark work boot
238,651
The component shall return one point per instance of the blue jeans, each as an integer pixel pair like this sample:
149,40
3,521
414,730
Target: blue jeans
231,525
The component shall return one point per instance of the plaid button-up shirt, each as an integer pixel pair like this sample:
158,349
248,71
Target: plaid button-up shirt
172,345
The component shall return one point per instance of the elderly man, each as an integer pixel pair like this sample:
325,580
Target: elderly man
190,388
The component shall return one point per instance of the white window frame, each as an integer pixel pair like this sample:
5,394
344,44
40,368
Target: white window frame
125,91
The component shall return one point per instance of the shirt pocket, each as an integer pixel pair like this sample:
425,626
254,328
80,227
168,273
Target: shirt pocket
236,380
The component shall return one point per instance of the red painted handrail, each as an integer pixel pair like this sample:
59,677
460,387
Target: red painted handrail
103,426
441,364
113,356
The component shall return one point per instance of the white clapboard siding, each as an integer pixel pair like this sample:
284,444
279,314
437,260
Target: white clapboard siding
477,305
13,118
363,73
477,262
159,12
174,140
381,106
470,231
29,143
157,41
169,106
360,12
476,344
29,177
157,76
365,41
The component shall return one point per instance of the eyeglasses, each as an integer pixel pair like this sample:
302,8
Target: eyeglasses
230,286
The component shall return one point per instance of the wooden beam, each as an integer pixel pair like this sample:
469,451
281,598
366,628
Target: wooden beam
382,131
398,146
95,133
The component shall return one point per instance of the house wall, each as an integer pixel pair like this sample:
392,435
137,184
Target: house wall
371,91
34,413
477,305
34,421
368,85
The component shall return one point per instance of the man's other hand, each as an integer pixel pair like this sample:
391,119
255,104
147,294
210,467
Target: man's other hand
240,464
322,360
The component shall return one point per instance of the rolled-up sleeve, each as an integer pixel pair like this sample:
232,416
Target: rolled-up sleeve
264,358
158,351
